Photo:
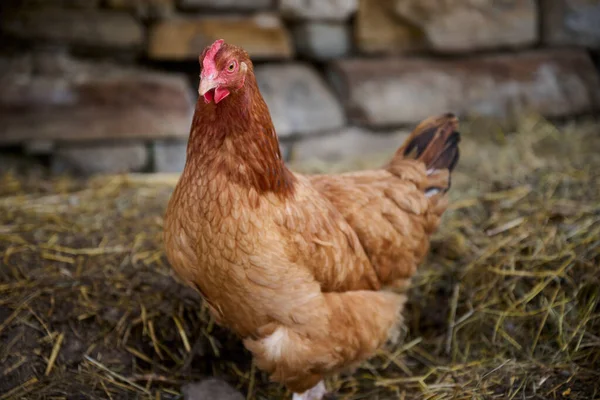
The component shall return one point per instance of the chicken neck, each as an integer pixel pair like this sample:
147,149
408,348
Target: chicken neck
237,137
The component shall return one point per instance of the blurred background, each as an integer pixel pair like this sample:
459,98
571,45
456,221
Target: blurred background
507,304
92,86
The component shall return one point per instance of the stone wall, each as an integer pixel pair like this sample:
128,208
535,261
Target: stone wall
109,85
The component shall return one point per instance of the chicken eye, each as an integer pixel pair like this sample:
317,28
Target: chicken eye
231,67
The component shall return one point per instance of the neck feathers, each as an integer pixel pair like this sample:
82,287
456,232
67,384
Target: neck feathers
236,137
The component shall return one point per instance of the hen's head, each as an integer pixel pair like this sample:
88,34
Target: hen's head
224,69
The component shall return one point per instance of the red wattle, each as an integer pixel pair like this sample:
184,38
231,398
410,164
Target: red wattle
220,94
209,96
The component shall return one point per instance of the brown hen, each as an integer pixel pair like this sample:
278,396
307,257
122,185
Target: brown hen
305,269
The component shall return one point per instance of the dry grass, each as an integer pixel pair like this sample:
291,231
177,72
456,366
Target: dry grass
507,306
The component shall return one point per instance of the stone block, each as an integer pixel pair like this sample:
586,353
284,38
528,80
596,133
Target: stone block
56,3
322,40
145,9
74,27
444,26
454,26
99,158
334,10
571,22
263,36
396,91
228,5
299,100
57,98
378,29
347,143
169,155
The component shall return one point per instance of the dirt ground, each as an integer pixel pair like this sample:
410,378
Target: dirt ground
507,306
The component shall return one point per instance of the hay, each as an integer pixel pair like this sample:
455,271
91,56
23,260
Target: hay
506,306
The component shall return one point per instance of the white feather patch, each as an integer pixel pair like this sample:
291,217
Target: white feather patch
275,342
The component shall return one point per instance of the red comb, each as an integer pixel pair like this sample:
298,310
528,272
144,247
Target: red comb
208,64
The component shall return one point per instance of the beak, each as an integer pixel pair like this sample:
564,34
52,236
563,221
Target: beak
206,84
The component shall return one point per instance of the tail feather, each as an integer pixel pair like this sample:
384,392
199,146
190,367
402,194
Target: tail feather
448,157
435,143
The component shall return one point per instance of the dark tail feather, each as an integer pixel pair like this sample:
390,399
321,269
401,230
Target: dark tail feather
448,157
434,142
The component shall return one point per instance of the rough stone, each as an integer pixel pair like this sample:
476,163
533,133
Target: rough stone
58,3
347,143
385,92
298,99
571,22
322,40
145,8
210,389
227,4
95,158
336,10
447,26
378,29
48,97
74,27
263,36
169,155
466,25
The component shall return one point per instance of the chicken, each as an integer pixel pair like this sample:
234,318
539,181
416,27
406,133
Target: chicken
308,270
